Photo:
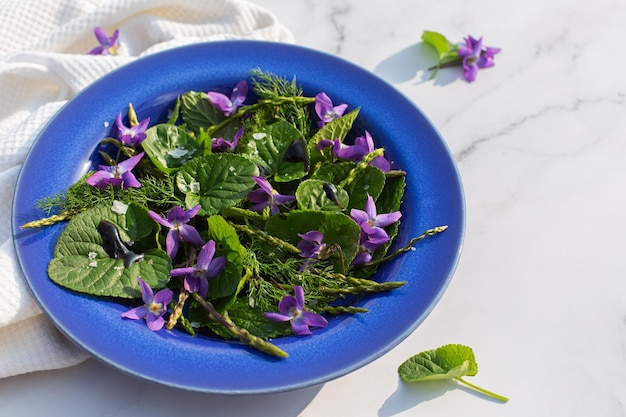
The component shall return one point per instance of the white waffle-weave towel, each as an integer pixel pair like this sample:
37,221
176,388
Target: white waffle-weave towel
43,63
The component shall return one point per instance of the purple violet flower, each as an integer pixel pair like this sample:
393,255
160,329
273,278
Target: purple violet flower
153,308
206,267
222,145
108,46
267,196
180,231
368,244
229,105
475,57
363,145
312,247
116,175
372,223
325,109
292,309
131,136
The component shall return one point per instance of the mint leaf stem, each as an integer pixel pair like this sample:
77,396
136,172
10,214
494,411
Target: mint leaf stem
482,390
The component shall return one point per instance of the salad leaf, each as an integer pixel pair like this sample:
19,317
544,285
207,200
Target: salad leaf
226,238
337,228
268,147
169,147
198,112
451,361
311,195
216,181
370,180
338,128
81,264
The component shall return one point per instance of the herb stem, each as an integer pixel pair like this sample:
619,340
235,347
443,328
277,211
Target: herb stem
48,221
241,334
427,233
482,390
264,236
259,104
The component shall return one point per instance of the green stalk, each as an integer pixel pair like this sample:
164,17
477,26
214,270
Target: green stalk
484,391
259,104
49,221
261,235
427,233
241,334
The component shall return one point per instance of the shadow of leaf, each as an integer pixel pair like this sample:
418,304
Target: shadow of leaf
408,396
413,63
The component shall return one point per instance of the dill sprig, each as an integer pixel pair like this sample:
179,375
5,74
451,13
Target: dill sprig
273,88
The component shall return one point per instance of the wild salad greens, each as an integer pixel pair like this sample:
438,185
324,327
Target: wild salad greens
243,215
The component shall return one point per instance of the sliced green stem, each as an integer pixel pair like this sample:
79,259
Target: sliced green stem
482,390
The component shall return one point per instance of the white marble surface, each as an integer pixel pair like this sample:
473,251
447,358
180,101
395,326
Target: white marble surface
540,291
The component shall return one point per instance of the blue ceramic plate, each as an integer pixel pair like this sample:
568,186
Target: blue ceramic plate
64,150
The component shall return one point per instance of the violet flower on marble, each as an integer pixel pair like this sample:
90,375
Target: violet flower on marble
153,308
229,105
108,45
180,231
196,278
325,109
223,145
131,136
116,175
292,309
266,196
475,57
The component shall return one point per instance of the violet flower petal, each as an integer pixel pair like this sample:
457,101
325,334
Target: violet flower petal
136,313
154,322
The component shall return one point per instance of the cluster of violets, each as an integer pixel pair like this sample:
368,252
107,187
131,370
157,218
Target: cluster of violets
312,247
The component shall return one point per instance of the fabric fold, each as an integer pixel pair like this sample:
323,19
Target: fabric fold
44,63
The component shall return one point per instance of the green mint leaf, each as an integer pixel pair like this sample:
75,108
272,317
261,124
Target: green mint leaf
216,181
369,181
169,147
81,264
337,228
452,361
227,240
198,112
311,195
268,146
441,44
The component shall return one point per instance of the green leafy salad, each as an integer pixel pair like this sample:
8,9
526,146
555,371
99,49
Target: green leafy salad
249,214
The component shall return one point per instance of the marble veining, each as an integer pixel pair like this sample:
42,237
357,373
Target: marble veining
540,292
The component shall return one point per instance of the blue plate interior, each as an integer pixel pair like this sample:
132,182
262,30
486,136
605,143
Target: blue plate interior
433,197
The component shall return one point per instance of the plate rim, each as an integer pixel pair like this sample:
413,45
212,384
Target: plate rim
243,45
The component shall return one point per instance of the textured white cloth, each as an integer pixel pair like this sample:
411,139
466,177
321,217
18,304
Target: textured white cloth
43,63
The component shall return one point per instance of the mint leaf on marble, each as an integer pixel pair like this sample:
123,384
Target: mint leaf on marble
446,362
